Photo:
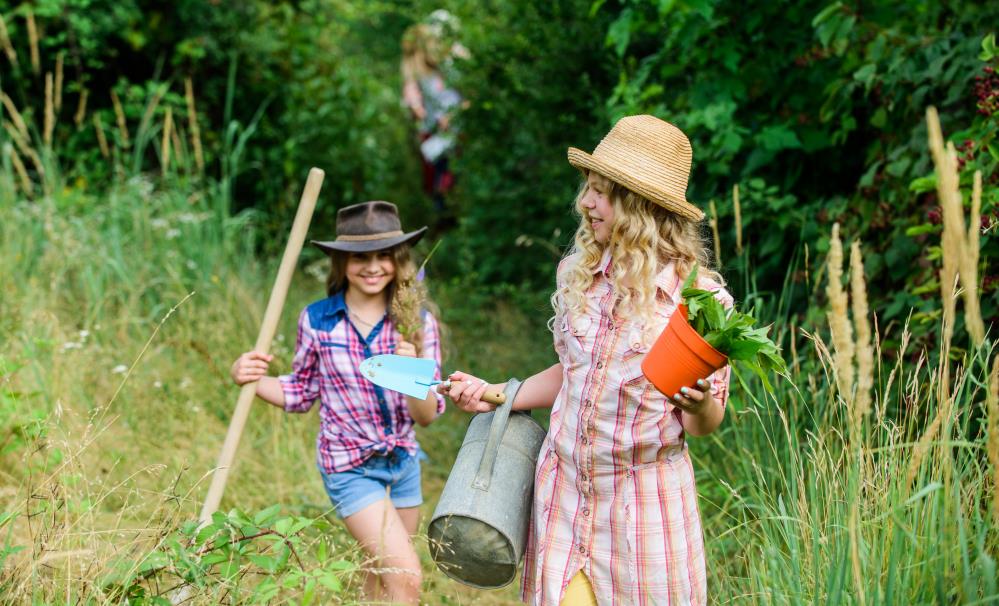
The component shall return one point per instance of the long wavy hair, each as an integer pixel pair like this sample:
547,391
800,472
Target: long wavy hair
421,52
644,238
406,296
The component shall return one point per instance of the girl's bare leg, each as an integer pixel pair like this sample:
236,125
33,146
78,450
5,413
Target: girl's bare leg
410,518
385,537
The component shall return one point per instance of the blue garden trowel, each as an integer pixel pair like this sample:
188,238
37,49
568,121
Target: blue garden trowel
411,376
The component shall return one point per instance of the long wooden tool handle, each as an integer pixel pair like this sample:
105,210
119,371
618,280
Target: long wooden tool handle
267,328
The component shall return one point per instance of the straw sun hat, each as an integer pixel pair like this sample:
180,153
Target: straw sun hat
648,156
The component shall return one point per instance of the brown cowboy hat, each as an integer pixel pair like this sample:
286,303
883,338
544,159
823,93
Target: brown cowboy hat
647,155
367,227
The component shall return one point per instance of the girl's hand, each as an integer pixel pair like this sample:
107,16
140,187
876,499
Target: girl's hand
249,367
693,400
405,348
465,392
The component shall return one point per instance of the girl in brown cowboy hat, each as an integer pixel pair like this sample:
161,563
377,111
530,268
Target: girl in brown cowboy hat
615,517
366,446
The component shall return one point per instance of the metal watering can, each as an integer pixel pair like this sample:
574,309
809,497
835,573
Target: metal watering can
479,530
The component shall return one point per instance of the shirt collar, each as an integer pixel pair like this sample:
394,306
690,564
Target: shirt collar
336,305
666,280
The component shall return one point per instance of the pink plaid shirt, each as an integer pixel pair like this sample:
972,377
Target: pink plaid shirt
614,487
357,418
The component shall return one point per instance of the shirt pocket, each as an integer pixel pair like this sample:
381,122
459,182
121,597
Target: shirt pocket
638,340
579,332
335,358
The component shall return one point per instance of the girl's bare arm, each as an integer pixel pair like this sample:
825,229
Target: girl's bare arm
538,391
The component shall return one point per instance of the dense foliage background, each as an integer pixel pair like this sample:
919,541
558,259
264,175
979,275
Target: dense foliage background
117,201
815,109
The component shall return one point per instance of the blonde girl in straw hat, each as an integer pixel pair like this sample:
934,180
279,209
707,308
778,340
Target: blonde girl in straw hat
615,516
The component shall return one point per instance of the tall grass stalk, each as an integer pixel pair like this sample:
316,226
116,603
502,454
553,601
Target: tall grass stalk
102,140
20,170
81,106
738,219
714,233
8,48
57,101
969,266
839,320
862,330
15,116
119,114
192,121
29,19
165,140
992,410
49,112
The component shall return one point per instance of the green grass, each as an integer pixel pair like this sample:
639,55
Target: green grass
112,416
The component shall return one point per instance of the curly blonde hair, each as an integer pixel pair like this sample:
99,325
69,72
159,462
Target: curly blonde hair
644,238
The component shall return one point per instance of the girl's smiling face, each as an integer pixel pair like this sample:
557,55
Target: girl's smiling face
596,207
370,272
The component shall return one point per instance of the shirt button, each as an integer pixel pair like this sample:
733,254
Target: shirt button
582,549
589,402
585,439
586,511
600,364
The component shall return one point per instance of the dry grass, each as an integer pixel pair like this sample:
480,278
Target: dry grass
8,48
165,141
192,121
29,18
838,316
862,329
119,114
992,409
81,107
738,219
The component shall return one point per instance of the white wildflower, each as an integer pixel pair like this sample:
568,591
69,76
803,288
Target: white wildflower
172,233
119,369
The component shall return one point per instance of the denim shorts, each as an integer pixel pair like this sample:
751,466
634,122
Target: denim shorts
352,490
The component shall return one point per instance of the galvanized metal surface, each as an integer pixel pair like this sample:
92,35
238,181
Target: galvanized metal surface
479,529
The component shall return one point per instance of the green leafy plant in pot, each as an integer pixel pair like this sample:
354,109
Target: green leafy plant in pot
702,336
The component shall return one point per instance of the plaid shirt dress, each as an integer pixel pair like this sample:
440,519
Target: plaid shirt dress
614,487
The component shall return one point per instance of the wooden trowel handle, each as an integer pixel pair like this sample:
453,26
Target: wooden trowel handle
491,396
494,397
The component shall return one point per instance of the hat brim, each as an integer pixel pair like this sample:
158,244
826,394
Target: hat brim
585,161
357,246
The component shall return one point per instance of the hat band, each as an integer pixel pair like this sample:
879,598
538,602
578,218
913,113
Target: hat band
381,236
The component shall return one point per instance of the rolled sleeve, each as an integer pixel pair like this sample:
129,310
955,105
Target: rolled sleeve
432,351
301,385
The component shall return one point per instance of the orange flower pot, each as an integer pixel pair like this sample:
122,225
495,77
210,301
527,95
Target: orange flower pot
680,356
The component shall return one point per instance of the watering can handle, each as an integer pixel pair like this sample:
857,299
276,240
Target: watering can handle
496,429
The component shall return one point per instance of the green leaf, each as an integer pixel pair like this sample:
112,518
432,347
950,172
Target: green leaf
988,48
331,582
923,184
267,516
268,563
619,33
